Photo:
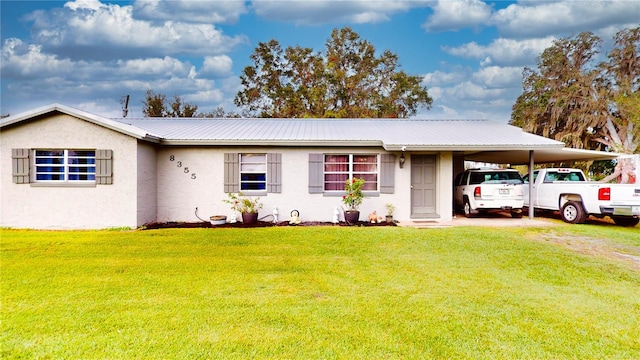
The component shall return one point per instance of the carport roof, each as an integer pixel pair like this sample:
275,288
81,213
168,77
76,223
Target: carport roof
540,156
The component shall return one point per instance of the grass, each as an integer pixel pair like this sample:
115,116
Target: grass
317,292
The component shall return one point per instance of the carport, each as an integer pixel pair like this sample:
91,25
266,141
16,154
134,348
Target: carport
531,157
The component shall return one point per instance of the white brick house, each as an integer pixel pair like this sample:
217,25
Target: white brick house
64,168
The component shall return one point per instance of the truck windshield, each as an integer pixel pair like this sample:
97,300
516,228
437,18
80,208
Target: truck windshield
497,177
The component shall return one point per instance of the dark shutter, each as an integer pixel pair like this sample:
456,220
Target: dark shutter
274,172
231,173
20,164
387,173
316,173
104,167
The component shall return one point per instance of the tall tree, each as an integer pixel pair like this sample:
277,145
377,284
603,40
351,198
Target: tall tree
585,105
156,105
347,80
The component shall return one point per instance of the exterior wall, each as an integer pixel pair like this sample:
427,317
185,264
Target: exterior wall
147,205
45,207
195,179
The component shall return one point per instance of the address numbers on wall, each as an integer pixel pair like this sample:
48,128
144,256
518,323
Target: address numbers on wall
185,169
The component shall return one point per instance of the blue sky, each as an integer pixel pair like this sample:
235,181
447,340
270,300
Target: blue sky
88,54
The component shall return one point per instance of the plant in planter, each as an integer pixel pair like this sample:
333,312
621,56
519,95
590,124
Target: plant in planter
390,209
353,199
247,206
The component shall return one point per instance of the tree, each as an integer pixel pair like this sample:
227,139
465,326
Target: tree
585,105
348,80
155,105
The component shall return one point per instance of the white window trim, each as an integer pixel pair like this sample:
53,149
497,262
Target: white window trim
350,172
65,165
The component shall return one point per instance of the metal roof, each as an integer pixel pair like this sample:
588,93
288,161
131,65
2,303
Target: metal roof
480,140
89,117
391,134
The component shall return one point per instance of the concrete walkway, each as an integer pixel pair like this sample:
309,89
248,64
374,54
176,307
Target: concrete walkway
493,219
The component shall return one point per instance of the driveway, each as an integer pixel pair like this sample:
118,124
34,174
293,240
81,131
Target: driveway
499,219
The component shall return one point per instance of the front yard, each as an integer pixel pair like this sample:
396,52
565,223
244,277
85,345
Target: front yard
320,292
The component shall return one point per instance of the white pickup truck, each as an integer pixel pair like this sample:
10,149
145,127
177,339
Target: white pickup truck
568,191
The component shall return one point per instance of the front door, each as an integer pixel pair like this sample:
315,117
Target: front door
423,185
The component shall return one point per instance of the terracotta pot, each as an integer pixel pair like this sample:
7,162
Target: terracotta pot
250,218
351,216
389,218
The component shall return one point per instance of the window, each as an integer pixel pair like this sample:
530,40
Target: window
65,165
253,172
339,168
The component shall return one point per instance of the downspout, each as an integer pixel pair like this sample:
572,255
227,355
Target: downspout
531,164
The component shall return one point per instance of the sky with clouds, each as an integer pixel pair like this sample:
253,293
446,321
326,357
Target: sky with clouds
89,54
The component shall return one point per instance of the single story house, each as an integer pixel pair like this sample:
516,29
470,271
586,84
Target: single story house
64,168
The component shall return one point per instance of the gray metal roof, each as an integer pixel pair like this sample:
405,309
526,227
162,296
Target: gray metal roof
391,134
480,140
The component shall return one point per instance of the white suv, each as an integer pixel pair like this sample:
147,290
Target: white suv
480,190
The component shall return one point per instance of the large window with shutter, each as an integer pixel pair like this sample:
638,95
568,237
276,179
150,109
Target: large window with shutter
79,167
65,165
328,172
253,173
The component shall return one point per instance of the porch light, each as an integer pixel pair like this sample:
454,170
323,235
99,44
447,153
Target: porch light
402,160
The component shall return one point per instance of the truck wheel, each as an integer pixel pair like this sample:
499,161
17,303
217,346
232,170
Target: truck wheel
516,214
573,213
625,221
467,208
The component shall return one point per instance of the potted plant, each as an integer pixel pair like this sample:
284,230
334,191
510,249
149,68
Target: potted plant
353,199
390,209
247,206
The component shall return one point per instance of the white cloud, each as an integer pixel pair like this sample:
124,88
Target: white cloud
454,15
544,18
499,77
154,67
440,78
23,61
503,51
217,66
332,11
91,30
209,12
205,96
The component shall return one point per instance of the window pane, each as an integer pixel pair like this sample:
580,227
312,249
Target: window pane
336,167
49,152
365,159
365,167
253,186
50,177
336,158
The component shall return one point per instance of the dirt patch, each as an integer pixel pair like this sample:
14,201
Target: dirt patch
597,247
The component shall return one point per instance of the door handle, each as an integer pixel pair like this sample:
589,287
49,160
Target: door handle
412,186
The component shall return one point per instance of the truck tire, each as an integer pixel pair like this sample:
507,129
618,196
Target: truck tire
573,212
467,208
517,214
625,221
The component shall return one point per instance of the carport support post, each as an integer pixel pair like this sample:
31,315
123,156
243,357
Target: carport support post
531,164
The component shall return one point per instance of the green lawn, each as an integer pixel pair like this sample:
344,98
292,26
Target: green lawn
319,293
